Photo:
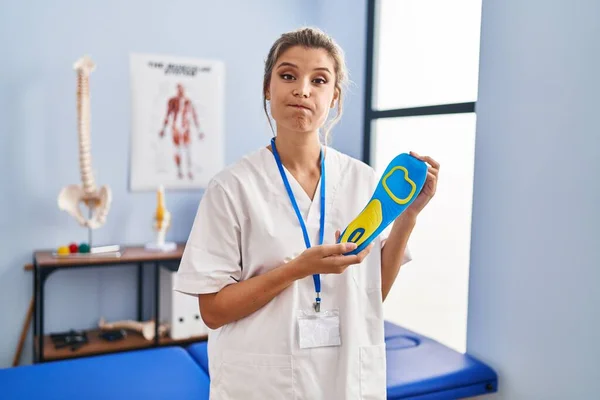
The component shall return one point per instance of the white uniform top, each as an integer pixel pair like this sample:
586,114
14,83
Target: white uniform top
246,226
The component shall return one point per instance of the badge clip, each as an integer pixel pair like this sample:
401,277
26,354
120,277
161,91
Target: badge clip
317,304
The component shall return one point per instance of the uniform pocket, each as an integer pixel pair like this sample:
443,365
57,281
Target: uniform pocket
251,376
372,372
367,275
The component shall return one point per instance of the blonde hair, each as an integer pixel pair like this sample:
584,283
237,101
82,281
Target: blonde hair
311,38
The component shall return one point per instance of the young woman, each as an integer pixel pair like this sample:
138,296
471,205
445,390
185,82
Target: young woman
292,316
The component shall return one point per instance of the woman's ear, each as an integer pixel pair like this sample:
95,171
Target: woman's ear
336,96
267,95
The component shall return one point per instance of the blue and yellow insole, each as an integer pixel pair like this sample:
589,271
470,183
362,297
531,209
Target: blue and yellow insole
399,185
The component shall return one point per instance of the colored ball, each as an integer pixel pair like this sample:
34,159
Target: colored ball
84,248
63,250
73,248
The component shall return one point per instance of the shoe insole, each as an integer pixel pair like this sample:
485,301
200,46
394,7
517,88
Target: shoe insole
398,187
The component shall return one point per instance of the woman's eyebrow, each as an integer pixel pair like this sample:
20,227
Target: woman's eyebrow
289,64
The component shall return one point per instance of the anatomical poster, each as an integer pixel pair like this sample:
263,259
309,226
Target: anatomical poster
177,121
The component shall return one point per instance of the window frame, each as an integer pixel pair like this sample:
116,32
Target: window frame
370,114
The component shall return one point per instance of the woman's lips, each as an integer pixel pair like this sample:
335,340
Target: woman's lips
301,107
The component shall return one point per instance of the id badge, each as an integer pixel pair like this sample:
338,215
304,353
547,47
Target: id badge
319,329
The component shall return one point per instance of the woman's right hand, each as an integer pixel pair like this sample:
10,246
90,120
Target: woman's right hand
329,258
238,300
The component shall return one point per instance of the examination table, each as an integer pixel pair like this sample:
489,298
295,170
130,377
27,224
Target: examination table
417,368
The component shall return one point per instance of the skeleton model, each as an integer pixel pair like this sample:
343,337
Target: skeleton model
162,222
96,200
146,328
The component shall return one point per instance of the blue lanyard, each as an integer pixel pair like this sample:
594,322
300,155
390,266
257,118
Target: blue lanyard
316,277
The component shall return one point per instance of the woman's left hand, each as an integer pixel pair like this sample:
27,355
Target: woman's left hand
429,187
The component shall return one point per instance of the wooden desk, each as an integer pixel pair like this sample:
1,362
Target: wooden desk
44,263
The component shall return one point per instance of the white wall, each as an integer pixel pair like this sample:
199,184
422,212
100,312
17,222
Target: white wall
535,261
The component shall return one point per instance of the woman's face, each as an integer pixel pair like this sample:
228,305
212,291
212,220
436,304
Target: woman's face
302,89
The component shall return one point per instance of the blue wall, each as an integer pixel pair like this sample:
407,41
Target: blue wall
534,272
39,42
535,263
350,33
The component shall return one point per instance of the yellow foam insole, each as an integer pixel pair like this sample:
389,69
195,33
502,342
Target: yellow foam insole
364,224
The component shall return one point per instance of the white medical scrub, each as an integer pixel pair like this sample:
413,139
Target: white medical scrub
246,226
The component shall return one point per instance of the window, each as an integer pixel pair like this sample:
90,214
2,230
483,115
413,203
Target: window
422,74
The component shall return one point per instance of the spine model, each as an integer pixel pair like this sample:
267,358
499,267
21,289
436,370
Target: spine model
96,200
